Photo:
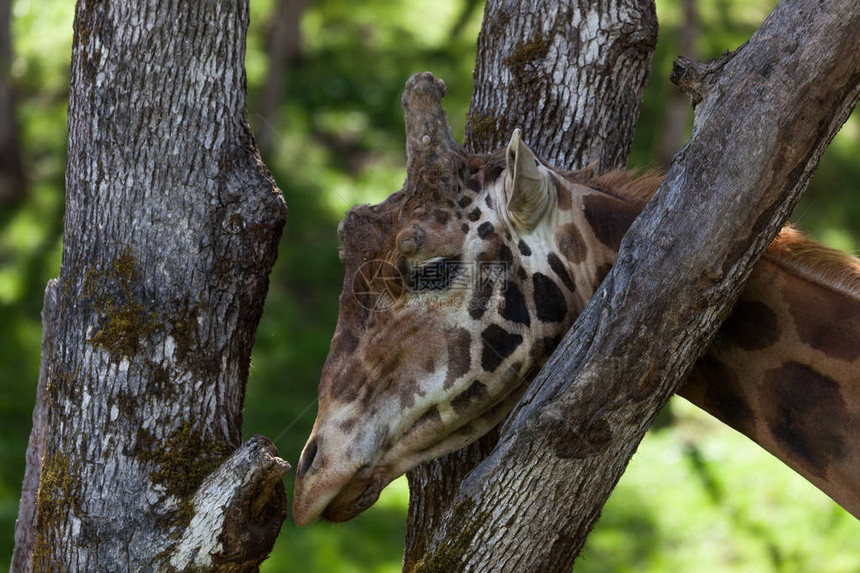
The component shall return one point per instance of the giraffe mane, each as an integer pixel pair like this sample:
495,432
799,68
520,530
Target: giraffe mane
635,187
793,251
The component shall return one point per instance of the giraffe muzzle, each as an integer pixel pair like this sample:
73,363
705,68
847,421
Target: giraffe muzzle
332,485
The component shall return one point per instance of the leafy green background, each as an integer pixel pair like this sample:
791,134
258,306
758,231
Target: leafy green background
697,496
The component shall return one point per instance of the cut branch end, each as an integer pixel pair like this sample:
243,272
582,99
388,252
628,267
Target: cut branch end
238,512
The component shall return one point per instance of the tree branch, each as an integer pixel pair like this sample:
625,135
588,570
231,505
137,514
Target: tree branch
680,268
238,512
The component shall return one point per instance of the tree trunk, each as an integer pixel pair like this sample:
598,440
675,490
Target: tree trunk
531,503
11,171
283,46
171,228
570,75
568,53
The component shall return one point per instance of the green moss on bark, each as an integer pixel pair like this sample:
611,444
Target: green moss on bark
123,329
58,491
483,128
63,383
57,495
129,318
125,321
526,52
182,461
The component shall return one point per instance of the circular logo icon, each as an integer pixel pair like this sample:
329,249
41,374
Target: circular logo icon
377,285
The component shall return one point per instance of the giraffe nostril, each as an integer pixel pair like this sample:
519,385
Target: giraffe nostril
307,459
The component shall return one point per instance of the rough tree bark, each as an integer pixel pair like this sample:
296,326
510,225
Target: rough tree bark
25,526
568,53
171,228
570,75
12,179
764,116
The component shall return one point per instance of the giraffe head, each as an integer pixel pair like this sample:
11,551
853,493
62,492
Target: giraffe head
457,287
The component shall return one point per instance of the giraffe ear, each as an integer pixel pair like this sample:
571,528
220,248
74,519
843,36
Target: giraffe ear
526,186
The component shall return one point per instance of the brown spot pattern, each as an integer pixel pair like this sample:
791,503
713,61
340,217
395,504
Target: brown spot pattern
475,393
570,243
609,218
543,347
550,304
806,415
459,356
752,325
558,268
563,194
825,322
602,271
485,230
720,393
492,172
515,308
498,345
431,416
442,217
524,248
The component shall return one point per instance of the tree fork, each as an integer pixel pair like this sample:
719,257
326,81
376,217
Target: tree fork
531,503
171,228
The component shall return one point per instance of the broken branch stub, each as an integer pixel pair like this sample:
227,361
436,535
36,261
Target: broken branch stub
238,512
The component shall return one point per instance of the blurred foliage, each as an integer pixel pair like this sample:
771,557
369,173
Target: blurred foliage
697,497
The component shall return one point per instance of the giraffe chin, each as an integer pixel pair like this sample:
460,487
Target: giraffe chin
358,492
358,495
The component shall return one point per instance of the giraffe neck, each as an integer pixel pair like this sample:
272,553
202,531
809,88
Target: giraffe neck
784,369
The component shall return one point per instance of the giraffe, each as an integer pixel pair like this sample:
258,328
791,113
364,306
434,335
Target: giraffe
459,286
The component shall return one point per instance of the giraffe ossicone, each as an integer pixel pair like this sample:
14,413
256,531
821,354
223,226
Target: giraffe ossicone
459,286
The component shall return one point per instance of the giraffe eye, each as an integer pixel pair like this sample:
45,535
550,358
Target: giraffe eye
436,274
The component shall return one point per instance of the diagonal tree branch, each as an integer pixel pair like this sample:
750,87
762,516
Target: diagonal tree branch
765,116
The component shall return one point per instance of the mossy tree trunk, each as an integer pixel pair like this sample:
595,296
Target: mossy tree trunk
544,67
171,228
531,503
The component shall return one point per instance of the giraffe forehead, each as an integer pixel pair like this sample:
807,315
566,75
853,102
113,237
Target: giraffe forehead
369,230
442,216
